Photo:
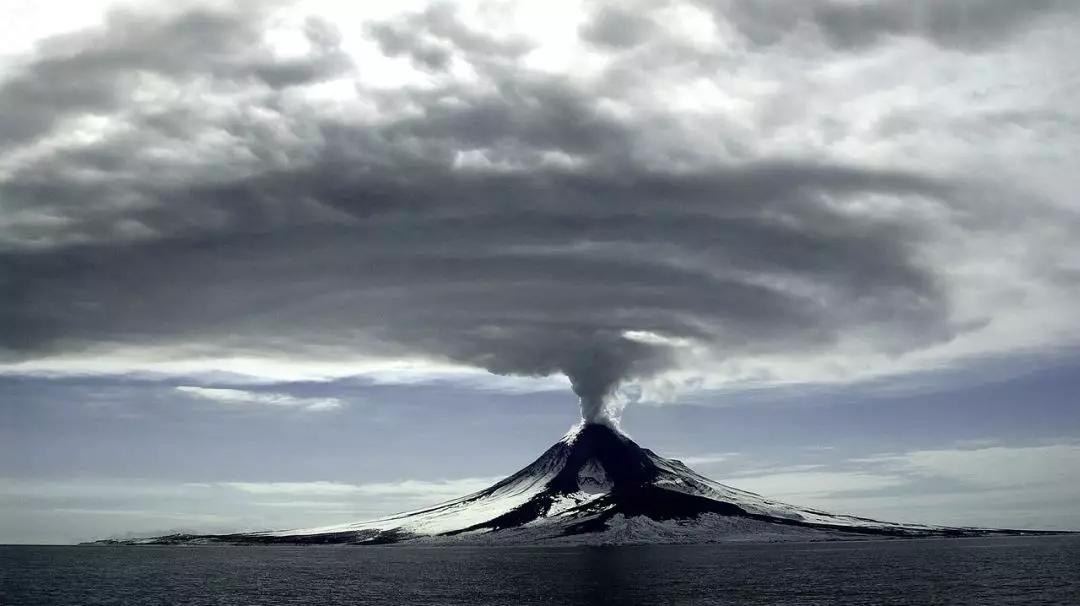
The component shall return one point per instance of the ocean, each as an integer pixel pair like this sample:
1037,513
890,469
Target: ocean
983,571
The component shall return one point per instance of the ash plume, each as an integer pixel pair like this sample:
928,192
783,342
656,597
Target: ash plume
596,371
519,220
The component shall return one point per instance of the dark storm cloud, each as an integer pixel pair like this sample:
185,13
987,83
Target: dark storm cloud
511,226
558,246
962,24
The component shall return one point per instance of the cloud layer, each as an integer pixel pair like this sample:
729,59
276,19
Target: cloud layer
674,195
1030,486
240,397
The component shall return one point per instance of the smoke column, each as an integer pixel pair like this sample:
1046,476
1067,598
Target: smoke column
595,373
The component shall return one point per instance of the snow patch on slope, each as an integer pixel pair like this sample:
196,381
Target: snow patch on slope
592,478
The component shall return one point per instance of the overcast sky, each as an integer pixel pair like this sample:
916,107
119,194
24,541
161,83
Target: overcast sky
270,264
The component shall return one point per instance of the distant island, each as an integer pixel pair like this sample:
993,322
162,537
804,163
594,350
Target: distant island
596,486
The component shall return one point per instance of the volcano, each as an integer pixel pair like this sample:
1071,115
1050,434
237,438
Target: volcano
596,486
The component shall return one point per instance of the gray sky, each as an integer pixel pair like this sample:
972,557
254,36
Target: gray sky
269,264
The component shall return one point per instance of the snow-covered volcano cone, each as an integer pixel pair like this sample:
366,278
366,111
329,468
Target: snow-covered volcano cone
596,485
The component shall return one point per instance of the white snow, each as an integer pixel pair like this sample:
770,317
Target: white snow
593,479
564,503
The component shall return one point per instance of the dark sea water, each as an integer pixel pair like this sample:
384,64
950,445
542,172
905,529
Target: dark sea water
1043,570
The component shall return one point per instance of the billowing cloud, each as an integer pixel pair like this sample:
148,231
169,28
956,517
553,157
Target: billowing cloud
699,198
